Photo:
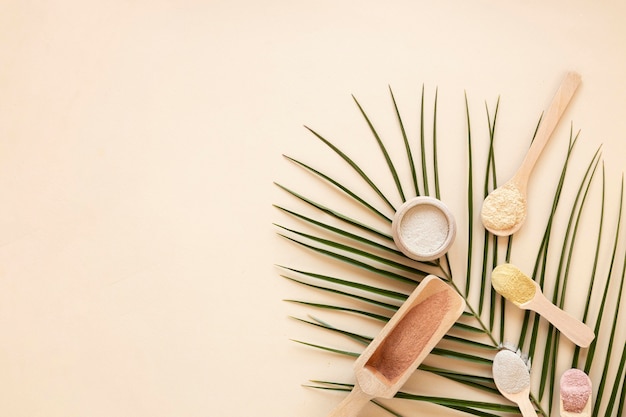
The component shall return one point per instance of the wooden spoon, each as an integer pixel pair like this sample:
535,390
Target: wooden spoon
404,342
504,210
512,378
522,291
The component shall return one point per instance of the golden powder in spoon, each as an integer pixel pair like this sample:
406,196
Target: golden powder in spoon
409,337
512,284
504,208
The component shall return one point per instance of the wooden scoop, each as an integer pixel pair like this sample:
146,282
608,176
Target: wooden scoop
404,342
504,210
522,291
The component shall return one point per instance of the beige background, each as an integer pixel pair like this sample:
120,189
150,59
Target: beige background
138,145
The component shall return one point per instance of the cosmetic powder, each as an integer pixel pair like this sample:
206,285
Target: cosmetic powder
512,284
504,208
575,390
409,337
424,229
510,372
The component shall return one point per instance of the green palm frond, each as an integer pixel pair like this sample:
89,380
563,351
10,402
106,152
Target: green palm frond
384,277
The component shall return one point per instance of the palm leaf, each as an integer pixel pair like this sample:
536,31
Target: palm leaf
380,274
383,149
407,145
358,170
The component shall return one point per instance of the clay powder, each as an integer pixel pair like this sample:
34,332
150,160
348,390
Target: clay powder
512,284
424,229
408,339
575,390
510,372
504,208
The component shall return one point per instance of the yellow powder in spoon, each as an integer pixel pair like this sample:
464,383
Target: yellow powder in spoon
409,337
504,208
512,284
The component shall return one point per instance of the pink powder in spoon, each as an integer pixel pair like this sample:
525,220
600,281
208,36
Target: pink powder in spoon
575,390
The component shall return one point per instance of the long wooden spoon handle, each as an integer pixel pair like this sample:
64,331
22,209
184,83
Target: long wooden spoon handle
575,330
549,121
352,404
526,408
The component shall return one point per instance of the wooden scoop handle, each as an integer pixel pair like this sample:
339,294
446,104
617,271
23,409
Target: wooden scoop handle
572,328
352,404
548,123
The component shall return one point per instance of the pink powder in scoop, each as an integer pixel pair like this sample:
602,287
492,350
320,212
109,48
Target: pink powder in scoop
575,390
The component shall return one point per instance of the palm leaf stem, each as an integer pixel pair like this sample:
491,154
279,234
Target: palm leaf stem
476,316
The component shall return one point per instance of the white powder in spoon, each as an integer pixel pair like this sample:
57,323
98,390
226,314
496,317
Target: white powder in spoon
510,372
424,229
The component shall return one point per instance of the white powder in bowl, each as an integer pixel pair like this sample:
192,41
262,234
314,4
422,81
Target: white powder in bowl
424,229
